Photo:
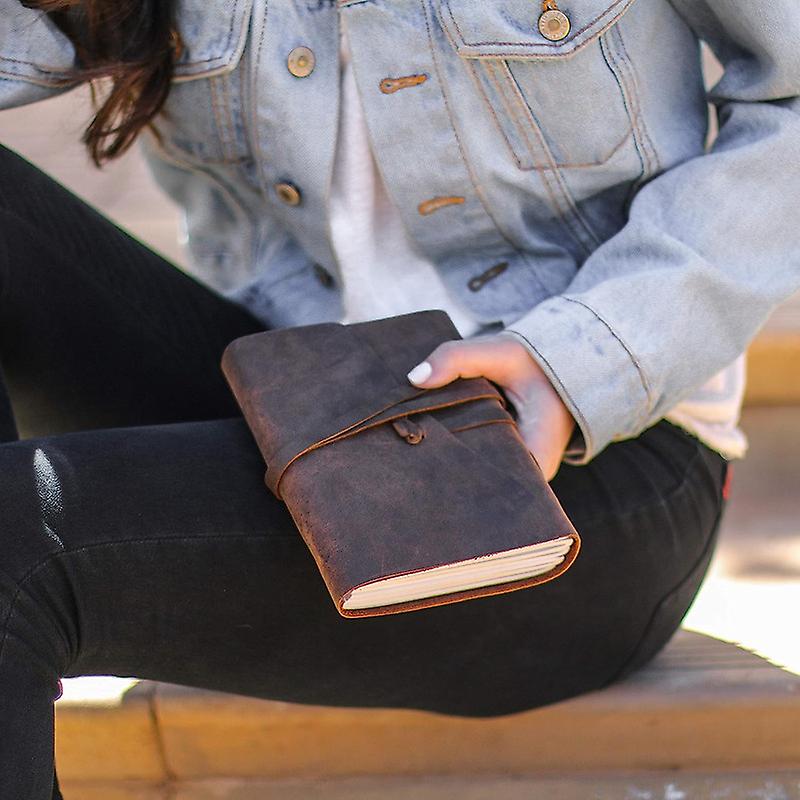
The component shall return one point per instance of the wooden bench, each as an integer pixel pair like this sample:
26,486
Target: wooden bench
703,717
773,359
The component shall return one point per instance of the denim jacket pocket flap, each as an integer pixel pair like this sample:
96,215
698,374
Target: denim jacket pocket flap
32,48
213,33
566,104
509,28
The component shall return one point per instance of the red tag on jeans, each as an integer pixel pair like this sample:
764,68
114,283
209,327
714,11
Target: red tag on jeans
726,486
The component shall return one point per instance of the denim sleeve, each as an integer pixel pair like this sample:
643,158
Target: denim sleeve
710,247
35,56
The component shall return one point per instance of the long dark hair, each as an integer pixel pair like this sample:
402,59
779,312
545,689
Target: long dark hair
134,45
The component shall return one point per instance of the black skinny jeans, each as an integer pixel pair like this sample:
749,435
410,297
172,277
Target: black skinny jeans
137,537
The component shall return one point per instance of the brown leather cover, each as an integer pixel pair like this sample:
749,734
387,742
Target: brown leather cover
382,477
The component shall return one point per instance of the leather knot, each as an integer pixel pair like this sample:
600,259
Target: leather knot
409,429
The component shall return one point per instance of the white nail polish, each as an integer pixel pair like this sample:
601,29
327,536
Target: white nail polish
420,373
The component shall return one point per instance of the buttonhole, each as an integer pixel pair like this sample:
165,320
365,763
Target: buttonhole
479,280
391,85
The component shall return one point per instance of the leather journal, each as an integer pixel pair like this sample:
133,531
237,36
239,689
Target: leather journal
406,497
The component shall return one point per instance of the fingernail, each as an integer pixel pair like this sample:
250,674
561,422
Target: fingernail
420,373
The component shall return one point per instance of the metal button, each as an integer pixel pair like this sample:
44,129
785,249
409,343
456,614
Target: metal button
324,277
478,281
301,62
554,25
288,193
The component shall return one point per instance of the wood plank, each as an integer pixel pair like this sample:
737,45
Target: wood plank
109,741
701,704
632,786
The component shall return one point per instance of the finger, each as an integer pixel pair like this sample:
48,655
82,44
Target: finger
547,457
464,359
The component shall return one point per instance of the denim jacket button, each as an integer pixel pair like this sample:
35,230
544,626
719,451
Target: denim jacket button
554,25
301,62
288,193
324,277
478,281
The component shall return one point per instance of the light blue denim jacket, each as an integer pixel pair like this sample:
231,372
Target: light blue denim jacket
561,188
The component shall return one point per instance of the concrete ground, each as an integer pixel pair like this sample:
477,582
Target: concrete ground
754,584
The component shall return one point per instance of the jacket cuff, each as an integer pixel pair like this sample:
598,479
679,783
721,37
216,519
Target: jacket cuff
594,372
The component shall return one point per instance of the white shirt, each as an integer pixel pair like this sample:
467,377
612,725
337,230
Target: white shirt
383,276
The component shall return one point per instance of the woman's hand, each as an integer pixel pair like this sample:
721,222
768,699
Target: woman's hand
544,421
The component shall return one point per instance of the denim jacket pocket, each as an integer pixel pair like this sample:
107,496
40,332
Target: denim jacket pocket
203,118
565,103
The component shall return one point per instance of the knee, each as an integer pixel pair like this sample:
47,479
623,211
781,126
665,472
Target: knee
32,499
40,504
35,640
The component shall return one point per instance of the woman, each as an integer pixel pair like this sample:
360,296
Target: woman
539,172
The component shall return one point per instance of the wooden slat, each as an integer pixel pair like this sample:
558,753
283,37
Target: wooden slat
658,786
702,704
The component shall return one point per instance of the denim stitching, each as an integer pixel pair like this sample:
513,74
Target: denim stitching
628,62
38,67
630,98
562,214
521,103
59,80
220,101
604,159
244,100
632,95
227,114
559,45
475,183
255,138
225,152
184,161
212,91
227,43
628,350
487,102
513,112
584,425
490,107
605,49
535,121
479,84
247,133
534,166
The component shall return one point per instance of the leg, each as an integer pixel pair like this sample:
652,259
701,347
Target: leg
157,552
96,330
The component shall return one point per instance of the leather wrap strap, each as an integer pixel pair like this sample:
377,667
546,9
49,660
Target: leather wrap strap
402,401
